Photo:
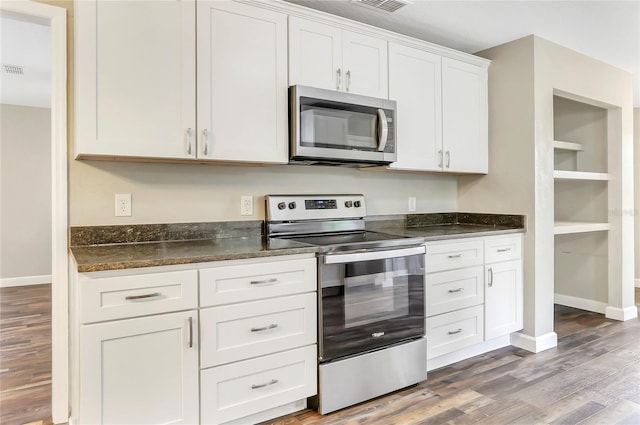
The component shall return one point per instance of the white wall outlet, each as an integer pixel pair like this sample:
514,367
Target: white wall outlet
246,205
123,205
412,204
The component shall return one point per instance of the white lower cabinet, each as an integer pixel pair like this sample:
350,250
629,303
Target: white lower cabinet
140,371
145,350
474,296
244,388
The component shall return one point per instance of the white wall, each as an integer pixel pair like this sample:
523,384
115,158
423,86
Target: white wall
636,131
25,179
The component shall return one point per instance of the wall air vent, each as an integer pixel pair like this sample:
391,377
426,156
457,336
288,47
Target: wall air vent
13,69
384,5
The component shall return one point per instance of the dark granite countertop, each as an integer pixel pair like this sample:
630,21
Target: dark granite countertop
99,248
148,254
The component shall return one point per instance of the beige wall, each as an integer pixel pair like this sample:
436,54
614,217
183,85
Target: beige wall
25,191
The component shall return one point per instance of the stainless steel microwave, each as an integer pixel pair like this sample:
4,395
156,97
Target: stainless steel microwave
332,127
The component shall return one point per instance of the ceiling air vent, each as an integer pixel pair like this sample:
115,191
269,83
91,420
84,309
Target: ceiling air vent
13,69
384,5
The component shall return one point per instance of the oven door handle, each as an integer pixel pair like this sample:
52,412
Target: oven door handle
372,255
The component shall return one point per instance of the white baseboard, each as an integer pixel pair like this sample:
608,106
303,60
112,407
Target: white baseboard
637,283
581,303
535,344
25,280
621,314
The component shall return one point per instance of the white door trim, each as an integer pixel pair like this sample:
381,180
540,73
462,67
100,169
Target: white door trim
56,17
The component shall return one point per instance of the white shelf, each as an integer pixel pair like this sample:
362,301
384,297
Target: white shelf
567,227
579,175
567,146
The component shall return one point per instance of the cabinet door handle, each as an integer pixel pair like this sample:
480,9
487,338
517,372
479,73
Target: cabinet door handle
266,384
190,332
448,155
504,250
440,163
338,79
490,277
205,142
189,140
453,291
454,256
262,282
264,328
457,331
142,297
348,79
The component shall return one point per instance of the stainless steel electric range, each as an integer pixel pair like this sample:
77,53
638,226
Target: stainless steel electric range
371,299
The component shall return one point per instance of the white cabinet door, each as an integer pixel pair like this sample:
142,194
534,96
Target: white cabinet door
464,117
415,84
503,300
327,57
140,371
135,79
315,54
242,83
364,62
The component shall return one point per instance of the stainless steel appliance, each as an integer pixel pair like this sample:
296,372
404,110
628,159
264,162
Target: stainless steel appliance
371,299
335,127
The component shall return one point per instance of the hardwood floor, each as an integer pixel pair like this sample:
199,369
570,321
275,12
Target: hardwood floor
592,377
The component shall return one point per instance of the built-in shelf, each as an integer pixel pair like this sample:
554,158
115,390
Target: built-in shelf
567,146
567,227
579,175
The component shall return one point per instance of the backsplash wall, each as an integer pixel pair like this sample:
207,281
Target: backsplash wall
172,193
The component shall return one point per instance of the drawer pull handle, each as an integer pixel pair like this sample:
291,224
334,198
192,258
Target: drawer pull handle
142,297
261,282
504,250
264,328
190,332
457,331
452,291
256,386
455,256
377,334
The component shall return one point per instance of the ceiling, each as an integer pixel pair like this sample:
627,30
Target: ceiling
605,30
27,45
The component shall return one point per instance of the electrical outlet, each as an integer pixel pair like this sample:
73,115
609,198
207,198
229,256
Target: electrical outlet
412,204
123,205
246,205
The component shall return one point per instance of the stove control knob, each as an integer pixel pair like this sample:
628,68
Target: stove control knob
356,204
282,205
292,205
348,204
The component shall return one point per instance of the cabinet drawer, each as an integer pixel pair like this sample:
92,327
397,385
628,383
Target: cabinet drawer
253,281
455,289
119,297
452,331
455,255
241,389
502,249
241,331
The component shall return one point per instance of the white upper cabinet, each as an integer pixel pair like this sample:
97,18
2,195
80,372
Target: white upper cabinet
328,57
242,83
464,117
135,78
414,83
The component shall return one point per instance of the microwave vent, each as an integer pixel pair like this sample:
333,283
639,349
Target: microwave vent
384,5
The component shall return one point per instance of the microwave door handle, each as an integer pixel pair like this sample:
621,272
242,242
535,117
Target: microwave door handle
383,130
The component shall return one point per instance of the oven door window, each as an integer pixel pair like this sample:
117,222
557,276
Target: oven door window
370,304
